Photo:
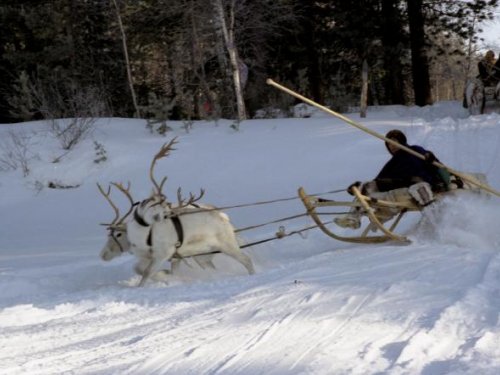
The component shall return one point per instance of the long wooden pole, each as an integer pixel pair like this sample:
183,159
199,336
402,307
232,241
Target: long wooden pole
463,176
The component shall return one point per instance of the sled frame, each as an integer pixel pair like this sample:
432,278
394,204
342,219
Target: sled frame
368,206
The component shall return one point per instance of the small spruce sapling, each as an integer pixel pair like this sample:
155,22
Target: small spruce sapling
100,153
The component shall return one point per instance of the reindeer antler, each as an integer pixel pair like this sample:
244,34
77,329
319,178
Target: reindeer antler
126,191
164,152
191,200
107,197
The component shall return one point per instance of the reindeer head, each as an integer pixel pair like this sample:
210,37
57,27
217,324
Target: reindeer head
117,242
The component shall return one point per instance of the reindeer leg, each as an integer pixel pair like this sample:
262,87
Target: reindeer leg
145,267
186,262
146,272
205,261
236,253
157,261
246,261
174,265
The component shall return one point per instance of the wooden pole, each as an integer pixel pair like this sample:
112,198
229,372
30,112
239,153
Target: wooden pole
465,177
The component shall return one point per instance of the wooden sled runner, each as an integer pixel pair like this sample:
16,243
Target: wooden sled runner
369,207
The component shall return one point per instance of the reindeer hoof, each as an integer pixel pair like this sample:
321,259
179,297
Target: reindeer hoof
142,282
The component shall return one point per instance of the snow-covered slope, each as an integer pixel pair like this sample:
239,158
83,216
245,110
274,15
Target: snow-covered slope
315,306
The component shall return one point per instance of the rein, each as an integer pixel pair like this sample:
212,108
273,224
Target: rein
279,235
259,203
269,222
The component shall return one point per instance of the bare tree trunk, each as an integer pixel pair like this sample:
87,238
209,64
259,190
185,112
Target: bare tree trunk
419,61
127,60
228,33
391,39
364,90
437,89
470,54
205,101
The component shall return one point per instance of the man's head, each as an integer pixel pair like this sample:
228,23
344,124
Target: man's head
489,56
398,136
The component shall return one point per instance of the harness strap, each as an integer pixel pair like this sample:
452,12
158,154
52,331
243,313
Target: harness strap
149,241
178,228
140,220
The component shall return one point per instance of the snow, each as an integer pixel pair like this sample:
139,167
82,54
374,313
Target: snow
315,306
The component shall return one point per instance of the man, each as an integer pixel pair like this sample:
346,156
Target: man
403,176
405,169
487,69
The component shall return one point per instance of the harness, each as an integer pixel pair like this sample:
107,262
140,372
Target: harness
140,220
113,236
178,228
176,221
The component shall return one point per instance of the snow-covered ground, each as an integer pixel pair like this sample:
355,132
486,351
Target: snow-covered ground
314,306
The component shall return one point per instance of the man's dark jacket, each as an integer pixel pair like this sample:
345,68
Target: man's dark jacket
404,169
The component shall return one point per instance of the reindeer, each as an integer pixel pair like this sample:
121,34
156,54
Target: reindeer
118,244
160,231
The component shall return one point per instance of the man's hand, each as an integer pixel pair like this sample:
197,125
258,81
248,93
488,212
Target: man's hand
354,184
369,187
430,157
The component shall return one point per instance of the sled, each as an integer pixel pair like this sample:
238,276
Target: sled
384,215
478,97
369,207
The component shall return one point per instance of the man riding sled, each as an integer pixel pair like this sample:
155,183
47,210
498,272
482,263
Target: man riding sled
403,177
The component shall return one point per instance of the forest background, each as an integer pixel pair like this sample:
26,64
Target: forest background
209,59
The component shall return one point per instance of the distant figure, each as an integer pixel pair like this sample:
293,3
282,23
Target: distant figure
496,71
487,69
